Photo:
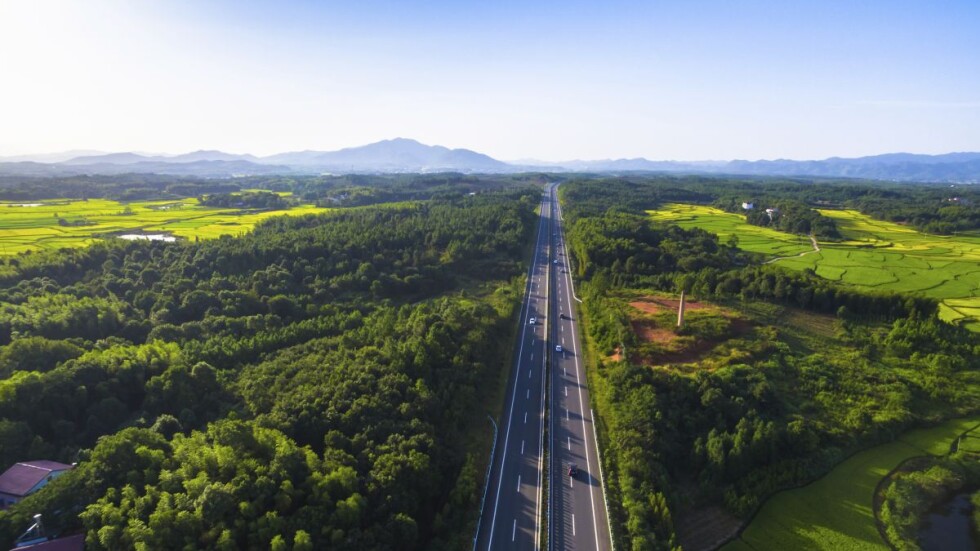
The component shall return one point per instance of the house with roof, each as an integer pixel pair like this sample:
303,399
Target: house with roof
23,479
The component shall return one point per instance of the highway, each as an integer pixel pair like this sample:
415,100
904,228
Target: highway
516,508
514,504
578,515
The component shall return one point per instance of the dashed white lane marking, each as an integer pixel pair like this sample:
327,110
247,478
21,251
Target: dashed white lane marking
569,442
522,447
525,413
566,395
573,524
528,373
518,483
513,531
528,394
567,414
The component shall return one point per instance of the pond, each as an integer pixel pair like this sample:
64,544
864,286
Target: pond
947,526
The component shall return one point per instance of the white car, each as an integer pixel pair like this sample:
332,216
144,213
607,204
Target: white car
558,348
532,321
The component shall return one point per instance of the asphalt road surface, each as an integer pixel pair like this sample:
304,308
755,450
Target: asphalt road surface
516,507
578,512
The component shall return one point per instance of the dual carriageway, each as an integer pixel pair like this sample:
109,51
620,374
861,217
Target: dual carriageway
548,397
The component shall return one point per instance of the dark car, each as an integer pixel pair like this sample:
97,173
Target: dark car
572,469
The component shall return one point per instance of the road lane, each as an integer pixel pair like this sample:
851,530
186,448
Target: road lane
512,519
578,519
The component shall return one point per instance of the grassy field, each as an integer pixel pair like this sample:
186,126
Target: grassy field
35,226
835,512
877,254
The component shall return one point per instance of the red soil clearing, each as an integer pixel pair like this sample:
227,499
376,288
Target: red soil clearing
652,305
651,334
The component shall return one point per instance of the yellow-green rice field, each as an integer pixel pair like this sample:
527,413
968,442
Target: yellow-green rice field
835,512
35,225
877,254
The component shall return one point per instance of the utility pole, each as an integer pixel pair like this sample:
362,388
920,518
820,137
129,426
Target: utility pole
680,311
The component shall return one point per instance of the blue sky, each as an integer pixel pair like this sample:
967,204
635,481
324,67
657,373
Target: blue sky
549,80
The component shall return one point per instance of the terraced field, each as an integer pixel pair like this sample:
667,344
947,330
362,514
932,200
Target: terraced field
37,226
835,512
877,254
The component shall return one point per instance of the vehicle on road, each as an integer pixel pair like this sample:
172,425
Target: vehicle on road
572,469
556,261
558,348
532,321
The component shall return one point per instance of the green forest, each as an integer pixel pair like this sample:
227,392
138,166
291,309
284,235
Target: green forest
776,378
324,380
309,385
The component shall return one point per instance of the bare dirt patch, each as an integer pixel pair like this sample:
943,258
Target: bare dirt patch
654,305
646,332
741,326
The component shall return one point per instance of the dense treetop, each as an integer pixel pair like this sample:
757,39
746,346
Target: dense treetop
307,385
789,375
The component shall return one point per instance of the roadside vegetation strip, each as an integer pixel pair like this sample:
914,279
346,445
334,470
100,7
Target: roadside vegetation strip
875,254
836,511
58,224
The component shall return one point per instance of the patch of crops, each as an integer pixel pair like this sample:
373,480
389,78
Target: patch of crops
836,512
877,254
61,224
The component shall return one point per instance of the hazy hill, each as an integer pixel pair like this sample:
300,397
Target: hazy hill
397,155
951,167
210,155
56,157
124,158
406,155
132,158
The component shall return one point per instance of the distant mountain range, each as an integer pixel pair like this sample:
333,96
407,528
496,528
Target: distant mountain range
402,155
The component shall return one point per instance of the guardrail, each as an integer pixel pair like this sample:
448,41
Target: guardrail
602,480
486,484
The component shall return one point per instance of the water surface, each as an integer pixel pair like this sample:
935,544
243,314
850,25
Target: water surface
947,526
